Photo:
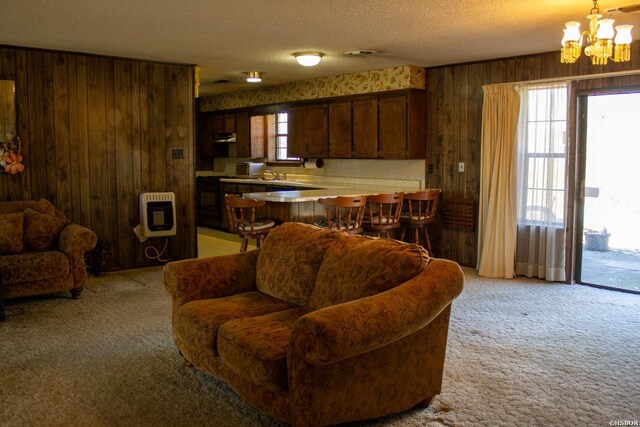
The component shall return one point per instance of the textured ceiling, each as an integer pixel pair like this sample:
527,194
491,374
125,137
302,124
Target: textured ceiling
228,37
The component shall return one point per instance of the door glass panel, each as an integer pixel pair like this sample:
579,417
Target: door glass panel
611,239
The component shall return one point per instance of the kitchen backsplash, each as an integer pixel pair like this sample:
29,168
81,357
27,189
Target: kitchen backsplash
403,77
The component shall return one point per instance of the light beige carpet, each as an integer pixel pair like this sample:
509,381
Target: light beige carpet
520,353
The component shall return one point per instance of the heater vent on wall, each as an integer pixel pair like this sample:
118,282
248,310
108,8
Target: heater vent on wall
157,215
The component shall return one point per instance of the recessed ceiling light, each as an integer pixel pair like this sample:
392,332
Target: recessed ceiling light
308,59
253,76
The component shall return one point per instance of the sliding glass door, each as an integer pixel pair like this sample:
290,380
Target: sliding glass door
609,210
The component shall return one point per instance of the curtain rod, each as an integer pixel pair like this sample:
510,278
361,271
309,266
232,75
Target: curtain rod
573,78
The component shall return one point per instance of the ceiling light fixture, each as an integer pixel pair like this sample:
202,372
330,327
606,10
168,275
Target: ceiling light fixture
600,38
308,59
253,76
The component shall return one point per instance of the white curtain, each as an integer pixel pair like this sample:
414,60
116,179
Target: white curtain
541,230
498,182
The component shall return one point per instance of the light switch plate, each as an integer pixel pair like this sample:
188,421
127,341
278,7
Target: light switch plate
461,167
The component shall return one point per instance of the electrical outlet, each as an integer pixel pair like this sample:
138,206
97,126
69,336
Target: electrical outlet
461,167
430,167
177,153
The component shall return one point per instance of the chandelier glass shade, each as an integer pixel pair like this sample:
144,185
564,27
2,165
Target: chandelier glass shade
604,42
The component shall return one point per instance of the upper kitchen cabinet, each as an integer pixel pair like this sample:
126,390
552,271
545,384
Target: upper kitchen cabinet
308,131
249,135
340,135
207,148
224,122
365,128
393,127
402,126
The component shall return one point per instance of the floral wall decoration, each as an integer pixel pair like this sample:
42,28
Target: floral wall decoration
11,156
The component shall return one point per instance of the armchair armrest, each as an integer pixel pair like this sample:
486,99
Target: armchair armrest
204,278
345,330
74,241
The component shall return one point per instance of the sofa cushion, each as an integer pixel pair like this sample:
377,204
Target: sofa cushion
33,266
196,323
256,347
11,226
41,231
360,266
289,260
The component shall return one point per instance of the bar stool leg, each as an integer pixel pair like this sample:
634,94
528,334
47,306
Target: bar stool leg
243,245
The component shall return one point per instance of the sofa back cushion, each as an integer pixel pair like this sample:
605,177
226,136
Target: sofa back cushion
358,267
11,226
289,260
41,231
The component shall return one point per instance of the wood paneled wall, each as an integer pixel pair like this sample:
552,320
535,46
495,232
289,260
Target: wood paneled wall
97,132
454,114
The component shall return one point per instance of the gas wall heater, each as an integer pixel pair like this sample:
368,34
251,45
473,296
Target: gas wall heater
157,215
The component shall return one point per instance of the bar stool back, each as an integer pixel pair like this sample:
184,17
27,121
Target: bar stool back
242,218
382,215
343,213
420,211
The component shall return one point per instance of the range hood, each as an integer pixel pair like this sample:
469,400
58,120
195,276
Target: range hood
224,137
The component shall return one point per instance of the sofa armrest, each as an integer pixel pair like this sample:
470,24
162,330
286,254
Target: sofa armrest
345,330
215,277
74,241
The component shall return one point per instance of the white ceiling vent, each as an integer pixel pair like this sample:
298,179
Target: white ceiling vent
624,9
361,52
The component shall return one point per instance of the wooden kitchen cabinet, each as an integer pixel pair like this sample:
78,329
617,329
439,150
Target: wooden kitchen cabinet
224,122
308,131
402,126
392,116
340,135
207,148
365,128
243,135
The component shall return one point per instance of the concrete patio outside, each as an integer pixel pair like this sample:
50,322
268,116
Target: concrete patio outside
615,268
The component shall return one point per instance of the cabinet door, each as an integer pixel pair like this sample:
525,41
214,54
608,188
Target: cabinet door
365,129
392,116
224,122
205,134
243,135
340,130
295,139
316,129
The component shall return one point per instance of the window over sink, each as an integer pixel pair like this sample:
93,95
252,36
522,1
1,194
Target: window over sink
277,137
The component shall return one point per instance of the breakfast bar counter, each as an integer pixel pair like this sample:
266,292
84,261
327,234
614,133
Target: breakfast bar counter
303,206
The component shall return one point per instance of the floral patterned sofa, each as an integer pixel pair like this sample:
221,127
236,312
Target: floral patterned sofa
318,327
41,251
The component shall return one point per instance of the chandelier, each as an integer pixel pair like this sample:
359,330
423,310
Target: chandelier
600,38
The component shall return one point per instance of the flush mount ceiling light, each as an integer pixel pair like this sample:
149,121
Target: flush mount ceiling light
253,76
308,59
600,38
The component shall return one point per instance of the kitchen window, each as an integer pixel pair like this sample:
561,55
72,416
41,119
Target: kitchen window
278,137
281,136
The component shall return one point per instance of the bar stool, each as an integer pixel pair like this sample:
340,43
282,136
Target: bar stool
344,213
382,214
242,218
421,208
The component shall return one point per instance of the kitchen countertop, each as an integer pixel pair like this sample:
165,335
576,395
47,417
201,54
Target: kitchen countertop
313,195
